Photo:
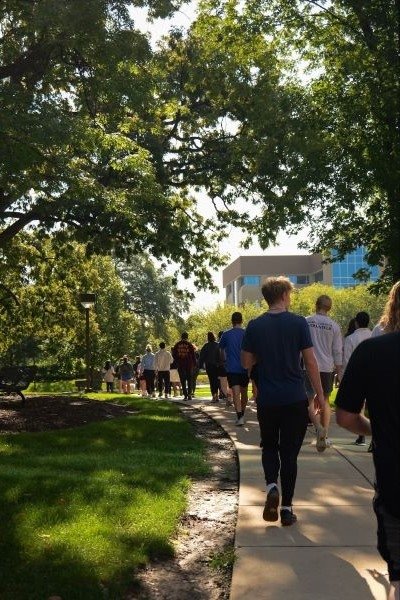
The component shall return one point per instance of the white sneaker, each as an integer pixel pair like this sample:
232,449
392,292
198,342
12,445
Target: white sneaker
240,422
153,395
328,443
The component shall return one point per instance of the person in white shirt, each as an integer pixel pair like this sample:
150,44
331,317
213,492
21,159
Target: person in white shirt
328,348
162,362
361,333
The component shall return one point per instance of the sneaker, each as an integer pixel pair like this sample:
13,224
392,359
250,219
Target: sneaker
328,443
240,421
287,517
270,512
153,395
189,397
321,438
370,448
360,441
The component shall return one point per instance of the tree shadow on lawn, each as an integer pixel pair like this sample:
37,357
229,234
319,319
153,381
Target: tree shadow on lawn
83,508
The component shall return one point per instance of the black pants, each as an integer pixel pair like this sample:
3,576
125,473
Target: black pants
186,377
110,386
212,373
163,382
282,431
149,376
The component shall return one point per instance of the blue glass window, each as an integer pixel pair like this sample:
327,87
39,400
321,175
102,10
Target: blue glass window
344,270
251,280
299,279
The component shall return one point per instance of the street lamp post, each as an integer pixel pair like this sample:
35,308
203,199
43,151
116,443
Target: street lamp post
88,301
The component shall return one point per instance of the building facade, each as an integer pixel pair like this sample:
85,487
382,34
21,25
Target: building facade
242,279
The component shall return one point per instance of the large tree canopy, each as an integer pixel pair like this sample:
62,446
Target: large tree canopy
293,105
76,91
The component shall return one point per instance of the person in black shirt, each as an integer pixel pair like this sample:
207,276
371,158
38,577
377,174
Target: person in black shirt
373,375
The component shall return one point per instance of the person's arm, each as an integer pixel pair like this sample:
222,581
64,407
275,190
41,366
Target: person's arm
311,365
354,422
248,359
347,349
352,392
337,351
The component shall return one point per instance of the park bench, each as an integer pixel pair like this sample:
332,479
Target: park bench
15,379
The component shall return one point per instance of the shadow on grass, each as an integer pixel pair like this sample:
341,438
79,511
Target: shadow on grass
81,509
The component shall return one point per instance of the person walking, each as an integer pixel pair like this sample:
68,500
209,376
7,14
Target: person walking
209,359
108,376
184,355
148,371
125,374
361,333
390,319
162,363
372,376
327,341
224,392
275,341
238,378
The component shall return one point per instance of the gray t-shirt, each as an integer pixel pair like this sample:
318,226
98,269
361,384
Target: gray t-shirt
327,341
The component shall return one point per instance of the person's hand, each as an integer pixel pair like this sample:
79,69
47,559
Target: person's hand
319,402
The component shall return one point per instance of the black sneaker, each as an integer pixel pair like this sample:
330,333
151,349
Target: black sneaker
270,512
288,517
360,441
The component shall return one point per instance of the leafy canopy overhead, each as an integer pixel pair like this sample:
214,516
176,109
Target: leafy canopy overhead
293,105
76,92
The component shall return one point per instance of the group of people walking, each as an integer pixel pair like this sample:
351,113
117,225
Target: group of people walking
169,373
292,363
290,392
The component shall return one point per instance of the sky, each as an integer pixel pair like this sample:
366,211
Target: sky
231,245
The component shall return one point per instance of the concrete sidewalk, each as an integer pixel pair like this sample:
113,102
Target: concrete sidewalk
330,554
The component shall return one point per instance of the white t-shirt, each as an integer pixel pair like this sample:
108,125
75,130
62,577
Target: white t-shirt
327,341
162,360
351,342
377,330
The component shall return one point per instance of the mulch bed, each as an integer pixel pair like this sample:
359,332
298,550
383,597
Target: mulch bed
43,413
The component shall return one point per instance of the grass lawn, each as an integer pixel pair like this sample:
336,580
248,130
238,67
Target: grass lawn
81,508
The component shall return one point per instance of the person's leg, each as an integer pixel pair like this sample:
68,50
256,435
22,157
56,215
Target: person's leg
212,374
388,544
182,377
292,432
243,398
269,422
152,377
167,385
190,382
236,400
147,376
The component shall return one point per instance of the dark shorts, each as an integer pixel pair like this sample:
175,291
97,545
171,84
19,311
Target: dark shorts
241,379
326,381
388,539
221,371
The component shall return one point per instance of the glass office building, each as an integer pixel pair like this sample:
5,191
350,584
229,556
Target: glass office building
343,270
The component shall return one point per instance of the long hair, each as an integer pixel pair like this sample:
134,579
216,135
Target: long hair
390,319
